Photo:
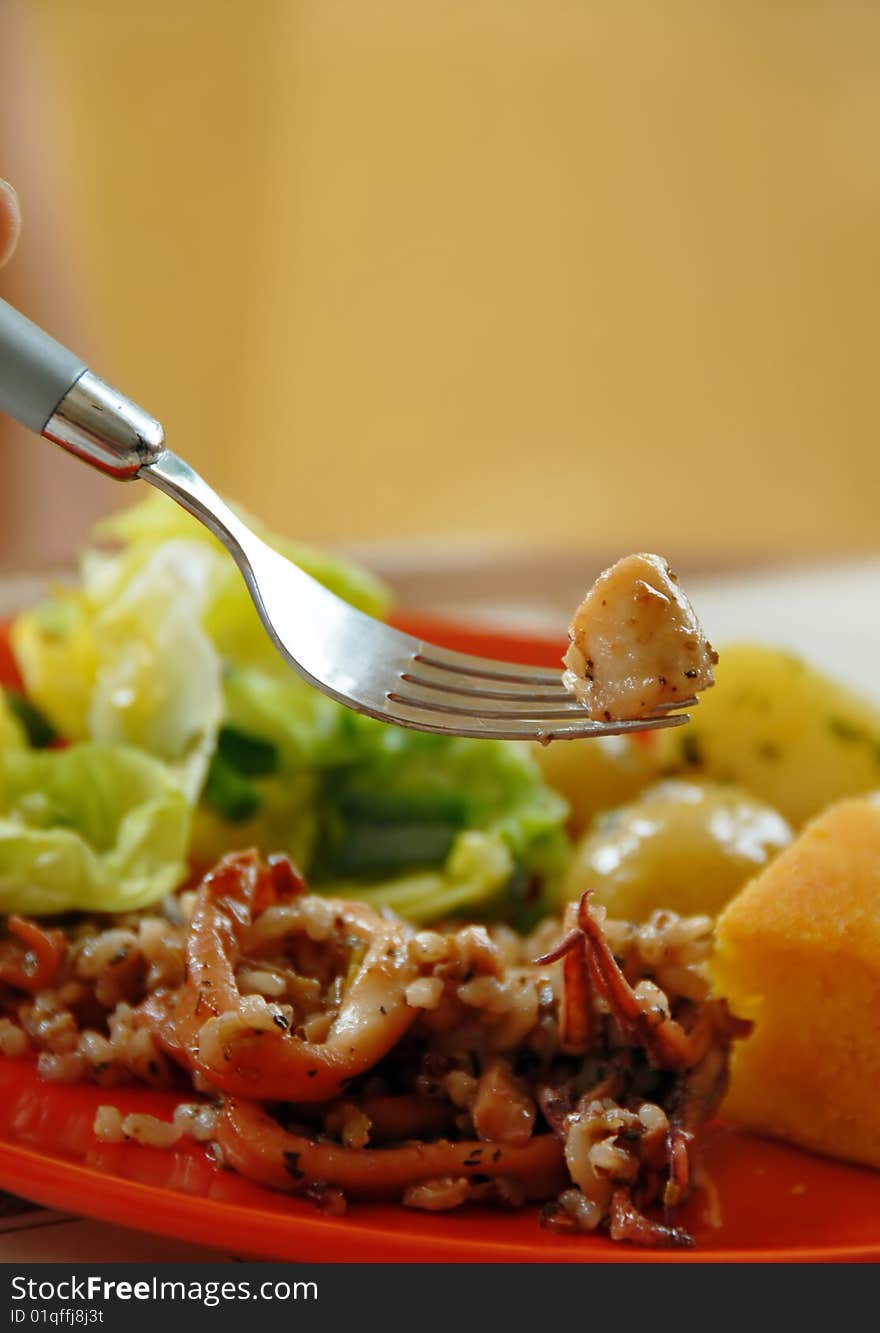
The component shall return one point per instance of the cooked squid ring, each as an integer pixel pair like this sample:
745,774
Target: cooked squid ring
158,1009
259,1148
406,1116
678,1184
45,947
275,1064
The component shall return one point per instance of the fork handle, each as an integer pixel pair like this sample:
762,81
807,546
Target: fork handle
52,393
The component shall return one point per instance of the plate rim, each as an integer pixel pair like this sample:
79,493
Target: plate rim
178,1210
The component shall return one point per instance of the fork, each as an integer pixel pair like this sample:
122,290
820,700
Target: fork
361,662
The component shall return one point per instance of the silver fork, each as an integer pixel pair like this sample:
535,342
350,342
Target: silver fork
362,663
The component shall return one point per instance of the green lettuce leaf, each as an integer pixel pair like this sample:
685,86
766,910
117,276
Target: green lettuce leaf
274,704
158,519
38,730
158,682
440,785
379,809
54,646
160,649
90,828
476,873
136,654
124,660
12,733
279,816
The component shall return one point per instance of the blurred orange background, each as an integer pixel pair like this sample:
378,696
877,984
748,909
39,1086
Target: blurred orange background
526,273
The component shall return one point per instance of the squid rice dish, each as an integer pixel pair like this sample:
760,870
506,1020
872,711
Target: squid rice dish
406,988
331,1050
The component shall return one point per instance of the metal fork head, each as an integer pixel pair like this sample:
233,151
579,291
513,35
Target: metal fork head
387,674
378,670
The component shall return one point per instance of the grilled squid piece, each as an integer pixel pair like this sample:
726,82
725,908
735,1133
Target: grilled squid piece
591,968
665,1041
626,1222
406,1116
577,1020
214,1030
261,1149
43,952
636,643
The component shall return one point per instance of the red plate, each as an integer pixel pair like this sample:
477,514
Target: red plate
767,1202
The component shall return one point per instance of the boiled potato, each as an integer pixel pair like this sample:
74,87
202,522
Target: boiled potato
595,774
780,730
685,846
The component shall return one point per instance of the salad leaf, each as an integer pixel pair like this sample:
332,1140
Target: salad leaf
376,803
92,827
37,729
12,733
229,792
160,650
251,756
158,684
263,782
136,654
55,650
238,758
405,796
157,519
125,660
476,871
275,815
273,704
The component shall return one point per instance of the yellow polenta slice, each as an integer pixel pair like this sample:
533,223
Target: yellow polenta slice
799,952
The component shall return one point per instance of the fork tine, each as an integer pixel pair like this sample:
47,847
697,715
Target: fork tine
424,677
480,726
452,672
463,664
457,706
521,707
663,710
431,688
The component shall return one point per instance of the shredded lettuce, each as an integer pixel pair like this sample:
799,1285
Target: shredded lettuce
92,827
